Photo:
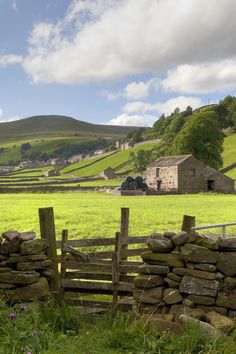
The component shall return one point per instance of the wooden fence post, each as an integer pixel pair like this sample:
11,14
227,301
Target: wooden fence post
188,223
63,260
124,232
116,271
47,230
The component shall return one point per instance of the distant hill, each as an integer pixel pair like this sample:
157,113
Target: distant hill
54,136
57,125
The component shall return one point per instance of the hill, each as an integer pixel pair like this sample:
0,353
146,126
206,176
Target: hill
52,125
55,136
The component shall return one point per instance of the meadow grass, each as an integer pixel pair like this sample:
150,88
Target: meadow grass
44,328
96,214
229,153
109,161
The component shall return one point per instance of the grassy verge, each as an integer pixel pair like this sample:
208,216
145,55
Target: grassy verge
48,329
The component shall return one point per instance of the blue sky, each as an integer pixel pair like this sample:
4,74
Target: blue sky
114,61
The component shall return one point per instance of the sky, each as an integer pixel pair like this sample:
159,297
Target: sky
122,62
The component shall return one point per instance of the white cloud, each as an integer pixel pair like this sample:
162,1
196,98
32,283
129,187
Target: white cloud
134,90
166,107
109,39
133,120
14,5
10,59
4,119
202,78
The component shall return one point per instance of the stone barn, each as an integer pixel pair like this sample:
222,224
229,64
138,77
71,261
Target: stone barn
186,174
51,173
108,173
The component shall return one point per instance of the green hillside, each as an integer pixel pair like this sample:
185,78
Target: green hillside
54,136
229,153
113,161
52,125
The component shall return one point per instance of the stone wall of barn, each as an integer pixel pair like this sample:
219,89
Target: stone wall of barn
168,176
188,276
192,176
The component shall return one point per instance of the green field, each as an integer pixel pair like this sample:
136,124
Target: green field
110,161
229,153
95,214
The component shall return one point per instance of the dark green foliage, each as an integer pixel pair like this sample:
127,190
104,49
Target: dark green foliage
25,147
142,159
66,150
202,137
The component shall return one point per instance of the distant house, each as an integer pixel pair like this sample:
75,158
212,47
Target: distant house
98,152
4,169
108,173
76,158
31,164
51,173
127,145
58,162
186,174
117,144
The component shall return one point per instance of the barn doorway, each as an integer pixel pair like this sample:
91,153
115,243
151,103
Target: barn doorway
210,185
159,185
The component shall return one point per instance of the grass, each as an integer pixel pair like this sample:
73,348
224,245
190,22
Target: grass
43,328
96,214
229,153
110,161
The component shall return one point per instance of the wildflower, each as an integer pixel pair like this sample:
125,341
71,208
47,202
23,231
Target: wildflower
34,333
12,316
23,308
29,353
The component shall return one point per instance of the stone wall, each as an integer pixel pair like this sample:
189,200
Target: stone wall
189,276
24,267
168,176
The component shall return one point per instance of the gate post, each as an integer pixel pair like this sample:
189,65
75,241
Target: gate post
188,223
124,232
47,231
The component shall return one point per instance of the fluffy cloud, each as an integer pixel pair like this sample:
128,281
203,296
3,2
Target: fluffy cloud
166,107
134,90
133,120
10,59
109,39
4,119
202,78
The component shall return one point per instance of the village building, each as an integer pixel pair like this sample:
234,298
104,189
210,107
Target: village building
51,173
186,174
108,173
5,169
117,145
127,145
98,152
31,164
76,158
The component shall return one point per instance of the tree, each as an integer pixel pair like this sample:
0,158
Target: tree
25,147
141,159
202,137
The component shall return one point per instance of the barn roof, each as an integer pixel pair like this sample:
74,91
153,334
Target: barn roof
169,161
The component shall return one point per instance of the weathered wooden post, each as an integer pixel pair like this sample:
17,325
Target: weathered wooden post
63,262
124,232
116,270
188,223
47,230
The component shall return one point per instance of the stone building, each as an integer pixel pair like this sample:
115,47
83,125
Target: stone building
51,173
186,174
108,173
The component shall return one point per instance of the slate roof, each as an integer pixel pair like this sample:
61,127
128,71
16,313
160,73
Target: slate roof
169,161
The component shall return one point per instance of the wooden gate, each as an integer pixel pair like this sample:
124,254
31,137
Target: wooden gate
97,273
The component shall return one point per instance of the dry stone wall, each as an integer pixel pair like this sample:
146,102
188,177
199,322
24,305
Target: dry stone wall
25,269
186,274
